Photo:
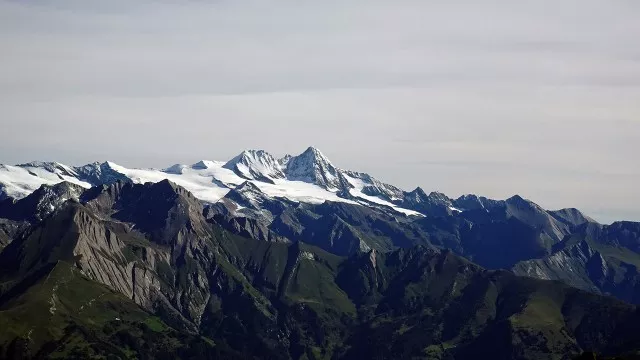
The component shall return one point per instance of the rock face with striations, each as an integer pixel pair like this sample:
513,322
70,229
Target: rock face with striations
149,242
162,227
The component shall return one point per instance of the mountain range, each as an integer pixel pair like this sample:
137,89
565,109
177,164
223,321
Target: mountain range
294,258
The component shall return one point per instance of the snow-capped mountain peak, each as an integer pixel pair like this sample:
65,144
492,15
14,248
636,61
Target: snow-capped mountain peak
418,195
100,173
203,164
21,180
248,195
177,169
256,165
313,167
317,155
54,167
247,187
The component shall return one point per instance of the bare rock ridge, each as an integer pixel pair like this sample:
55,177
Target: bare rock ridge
283,178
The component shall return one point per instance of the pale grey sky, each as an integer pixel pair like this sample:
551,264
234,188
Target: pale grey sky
535,97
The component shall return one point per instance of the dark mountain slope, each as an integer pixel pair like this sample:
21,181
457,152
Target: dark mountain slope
603,259
151,250
494,234
425,304
345,229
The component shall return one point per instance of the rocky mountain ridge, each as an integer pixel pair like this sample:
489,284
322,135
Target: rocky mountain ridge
307,178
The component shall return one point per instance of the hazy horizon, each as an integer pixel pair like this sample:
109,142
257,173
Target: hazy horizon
486,97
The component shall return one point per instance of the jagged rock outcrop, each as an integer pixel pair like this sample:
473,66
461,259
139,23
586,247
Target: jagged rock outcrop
41,203
434,204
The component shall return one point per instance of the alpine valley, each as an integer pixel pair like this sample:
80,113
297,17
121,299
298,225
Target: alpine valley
294,258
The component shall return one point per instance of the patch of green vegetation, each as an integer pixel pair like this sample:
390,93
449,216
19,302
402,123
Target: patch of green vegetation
259,299
314,283
155,324
539,311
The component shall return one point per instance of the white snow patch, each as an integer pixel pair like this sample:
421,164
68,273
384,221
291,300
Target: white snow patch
200,182
359,184
307,255
299,191
21,181
377,200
